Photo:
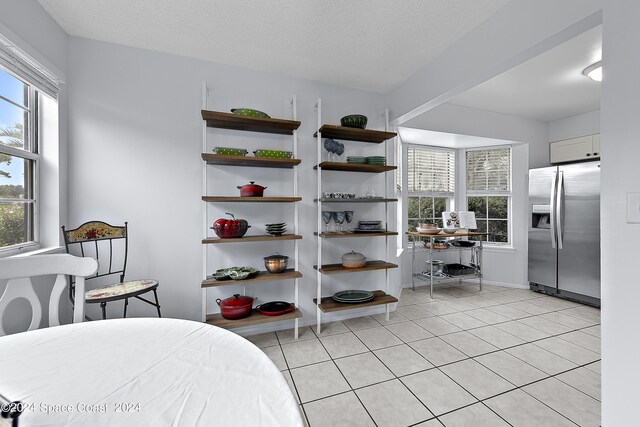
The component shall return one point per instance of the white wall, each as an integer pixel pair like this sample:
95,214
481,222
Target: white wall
136,138
575,126
620,154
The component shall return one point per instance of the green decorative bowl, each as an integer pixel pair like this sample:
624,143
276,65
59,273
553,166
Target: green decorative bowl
249,112
220,276
239,275
354,121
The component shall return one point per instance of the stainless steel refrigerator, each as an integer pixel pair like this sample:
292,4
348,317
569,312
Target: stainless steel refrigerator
564,231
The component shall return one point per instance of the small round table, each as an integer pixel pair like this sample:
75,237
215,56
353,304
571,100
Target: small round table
160,372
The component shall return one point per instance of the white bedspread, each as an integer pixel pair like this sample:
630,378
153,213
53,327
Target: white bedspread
143,372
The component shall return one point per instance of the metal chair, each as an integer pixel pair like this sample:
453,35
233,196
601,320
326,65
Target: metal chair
97,239
19,272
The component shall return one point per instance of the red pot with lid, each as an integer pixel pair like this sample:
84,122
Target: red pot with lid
251,190
230,228
235,307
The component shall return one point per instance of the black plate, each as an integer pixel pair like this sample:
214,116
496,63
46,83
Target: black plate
274,306
463,243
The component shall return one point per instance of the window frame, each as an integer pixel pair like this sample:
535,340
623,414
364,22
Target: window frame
493,193
450,196
31,153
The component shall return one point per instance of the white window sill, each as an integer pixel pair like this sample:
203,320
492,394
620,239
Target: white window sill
31,250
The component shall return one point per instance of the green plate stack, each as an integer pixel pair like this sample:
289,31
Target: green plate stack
376,160
353,296
273,154
357,159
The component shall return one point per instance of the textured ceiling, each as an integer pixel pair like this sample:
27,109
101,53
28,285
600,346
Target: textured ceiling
365,44
548,87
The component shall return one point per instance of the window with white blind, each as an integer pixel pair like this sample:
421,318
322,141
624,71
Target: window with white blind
431,177
489,191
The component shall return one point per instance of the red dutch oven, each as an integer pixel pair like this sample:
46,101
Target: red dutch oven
251,190
236,307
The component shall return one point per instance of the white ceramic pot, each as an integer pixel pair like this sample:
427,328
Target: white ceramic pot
353,260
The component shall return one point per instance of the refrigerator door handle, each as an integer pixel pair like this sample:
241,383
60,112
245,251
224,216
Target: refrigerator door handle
559,191
552,204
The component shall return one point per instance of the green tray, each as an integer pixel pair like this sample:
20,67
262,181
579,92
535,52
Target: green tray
273,154
229,151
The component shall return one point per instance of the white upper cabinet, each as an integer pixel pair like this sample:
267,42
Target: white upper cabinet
570,150
596,145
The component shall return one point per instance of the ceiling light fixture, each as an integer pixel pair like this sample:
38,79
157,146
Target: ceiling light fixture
594,71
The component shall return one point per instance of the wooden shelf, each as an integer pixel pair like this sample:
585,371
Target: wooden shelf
328,304
371,266
362,200
259,162
216,119
248,239
354,167
225,199
333,235
255,318
263,276
355,134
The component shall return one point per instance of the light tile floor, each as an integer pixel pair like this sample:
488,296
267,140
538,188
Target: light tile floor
498,357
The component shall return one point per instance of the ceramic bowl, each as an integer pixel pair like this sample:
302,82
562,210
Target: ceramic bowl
354,121
249,112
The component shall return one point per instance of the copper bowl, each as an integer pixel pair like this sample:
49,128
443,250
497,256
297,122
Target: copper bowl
276,263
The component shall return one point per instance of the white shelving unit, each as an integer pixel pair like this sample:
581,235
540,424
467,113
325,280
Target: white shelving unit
214,119
327,304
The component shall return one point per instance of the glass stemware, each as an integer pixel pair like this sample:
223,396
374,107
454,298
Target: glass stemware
340,150
348,215
326,217
339,217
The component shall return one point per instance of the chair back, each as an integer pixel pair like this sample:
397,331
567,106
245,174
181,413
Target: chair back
106,243
19,272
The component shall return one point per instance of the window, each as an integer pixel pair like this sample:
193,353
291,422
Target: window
18,160
431,174
489,191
